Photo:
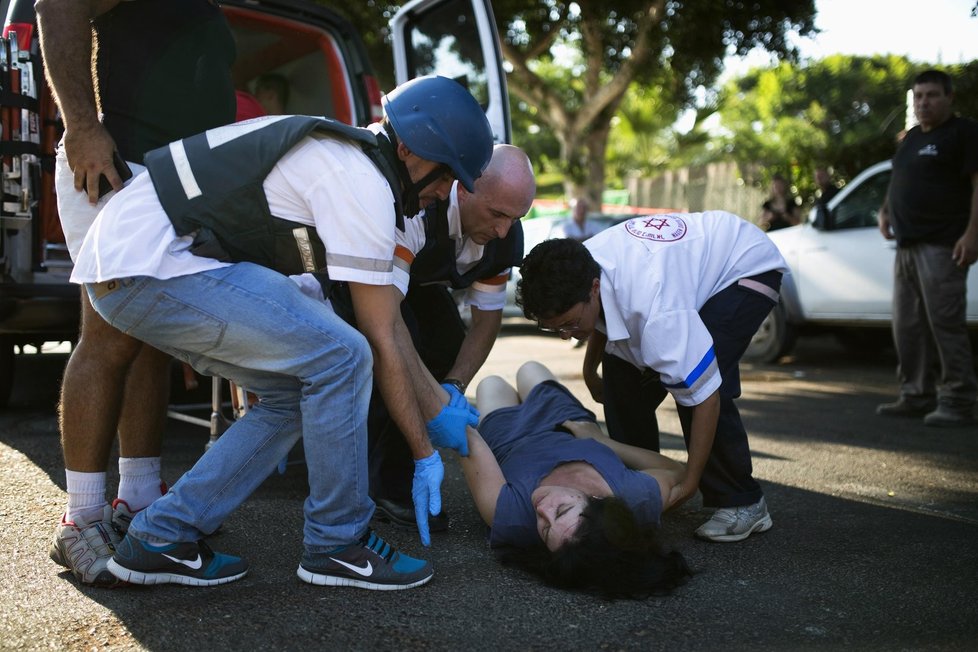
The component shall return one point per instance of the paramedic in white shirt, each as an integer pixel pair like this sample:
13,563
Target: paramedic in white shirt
469,242
670,303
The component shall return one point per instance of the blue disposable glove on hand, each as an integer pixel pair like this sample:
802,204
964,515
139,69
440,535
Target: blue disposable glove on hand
457,399
448,428
426,492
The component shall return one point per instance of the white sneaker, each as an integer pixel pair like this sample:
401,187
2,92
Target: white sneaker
736,523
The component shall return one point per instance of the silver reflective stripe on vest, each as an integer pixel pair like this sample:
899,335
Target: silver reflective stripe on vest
301,235
184,172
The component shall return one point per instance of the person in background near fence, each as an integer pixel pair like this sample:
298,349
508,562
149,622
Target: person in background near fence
115,383
780,209
578,227
669,304
931,210
826,187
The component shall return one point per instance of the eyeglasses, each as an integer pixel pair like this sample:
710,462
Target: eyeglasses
566,329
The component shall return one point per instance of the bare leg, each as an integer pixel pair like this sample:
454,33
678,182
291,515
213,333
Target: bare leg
493,393
143,414
530,375
92,390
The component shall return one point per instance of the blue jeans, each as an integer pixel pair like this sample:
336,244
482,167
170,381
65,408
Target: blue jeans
311,371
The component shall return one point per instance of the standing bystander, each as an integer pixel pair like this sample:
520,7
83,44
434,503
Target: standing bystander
578,227
779,210
140,85
931,209
826,187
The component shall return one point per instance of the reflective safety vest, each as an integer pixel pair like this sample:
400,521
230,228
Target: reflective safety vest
210,186
436,262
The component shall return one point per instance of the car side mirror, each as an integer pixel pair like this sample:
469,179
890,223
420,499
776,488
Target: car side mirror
824,219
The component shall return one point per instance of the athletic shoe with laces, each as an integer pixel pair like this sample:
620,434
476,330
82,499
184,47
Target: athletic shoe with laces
948,417
192,564
122,514
85,547
370,563
736,523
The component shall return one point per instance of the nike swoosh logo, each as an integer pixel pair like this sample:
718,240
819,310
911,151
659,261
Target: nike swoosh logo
192,564
366,570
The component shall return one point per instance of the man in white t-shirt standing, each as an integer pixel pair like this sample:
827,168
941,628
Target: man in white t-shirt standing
670,303
194,258
578,227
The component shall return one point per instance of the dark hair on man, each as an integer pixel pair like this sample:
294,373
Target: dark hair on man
555,275
610,555
932,76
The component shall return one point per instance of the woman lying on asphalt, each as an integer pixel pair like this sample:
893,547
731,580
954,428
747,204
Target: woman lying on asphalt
561,498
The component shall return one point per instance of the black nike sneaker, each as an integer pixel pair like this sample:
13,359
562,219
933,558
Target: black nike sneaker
370,563
193,564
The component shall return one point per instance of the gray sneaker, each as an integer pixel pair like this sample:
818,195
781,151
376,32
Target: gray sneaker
948,417
122,514
903,407
85,548
736,523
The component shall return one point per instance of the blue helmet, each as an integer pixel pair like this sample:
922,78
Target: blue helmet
437,119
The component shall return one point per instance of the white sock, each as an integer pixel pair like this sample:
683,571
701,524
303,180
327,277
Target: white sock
86,495
139,481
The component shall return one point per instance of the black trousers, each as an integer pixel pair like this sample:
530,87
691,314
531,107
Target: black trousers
631,396
437,331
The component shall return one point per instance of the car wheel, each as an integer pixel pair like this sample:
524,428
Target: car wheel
774,338
6,369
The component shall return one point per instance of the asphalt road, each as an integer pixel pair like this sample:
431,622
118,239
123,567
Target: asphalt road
874,545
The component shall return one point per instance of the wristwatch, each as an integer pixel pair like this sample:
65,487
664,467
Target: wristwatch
456,383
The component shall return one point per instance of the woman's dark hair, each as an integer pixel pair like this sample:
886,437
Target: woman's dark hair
610,555
554,276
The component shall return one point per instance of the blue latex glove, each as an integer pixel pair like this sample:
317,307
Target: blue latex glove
426,492
448,428
457,399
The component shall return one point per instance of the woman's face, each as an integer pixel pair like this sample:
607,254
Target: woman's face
558,512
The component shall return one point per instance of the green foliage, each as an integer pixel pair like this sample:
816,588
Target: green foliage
844,112
640,60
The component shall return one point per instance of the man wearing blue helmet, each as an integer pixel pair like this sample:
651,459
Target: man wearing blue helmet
194,258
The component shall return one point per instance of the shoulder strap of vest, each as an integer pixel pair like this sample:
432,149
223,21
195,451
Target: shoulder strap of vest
380,151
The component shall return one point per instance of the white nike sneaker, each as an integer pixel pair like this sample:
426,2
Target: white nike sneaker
193,564
370,563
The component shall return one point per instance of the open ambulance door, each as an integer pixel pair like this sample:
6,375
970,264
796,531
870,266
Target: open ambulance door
456,39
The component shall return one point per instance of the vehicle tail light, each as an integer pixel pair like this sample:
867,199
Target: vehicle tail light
25,34
373,96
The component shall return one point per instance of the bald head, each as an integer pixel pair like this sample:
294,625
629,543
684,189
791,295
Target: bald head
503,194
509,173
